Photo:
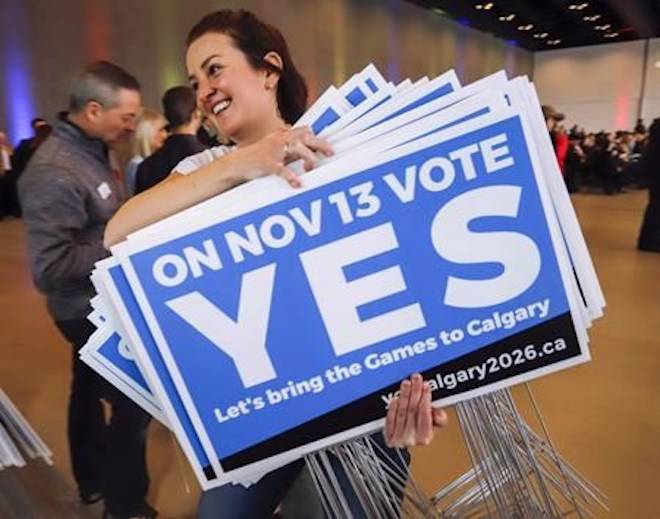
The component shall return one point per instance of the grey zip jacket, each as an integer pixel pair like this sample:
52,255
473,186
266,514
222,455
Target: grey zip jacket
68,193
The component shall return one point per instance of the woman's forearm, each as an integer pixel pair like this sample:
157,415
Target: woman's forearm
176,193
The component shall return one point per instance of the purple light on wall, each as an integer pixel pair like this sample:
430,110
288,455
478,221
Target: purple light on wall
18,91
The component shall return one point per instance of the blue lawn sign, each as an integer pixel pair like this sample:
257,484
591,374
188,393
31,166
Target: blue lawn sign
290,324
150,361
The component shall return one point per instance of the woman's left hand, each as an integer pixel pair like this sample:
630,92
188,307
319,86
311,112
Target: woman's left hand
411,419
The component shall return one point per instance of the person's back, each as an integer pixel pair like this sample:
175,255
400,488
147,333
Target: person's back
158,166
180,107
66,172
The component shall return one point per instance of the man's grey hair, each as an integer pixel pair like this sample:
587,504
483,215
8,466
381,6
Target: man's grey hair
101,82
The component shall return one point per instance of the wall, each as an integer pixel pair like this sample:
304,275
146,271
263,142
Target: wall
44,43
600,87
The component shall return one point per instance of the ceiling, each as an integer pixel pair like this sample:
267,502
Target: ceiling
543,25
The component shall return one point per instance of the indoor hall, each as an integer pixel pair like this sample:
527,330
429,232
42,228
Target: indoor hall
603,417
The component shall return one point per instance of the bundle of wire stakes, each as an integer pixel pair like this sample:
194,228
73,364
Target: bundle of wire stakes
516,473
18,440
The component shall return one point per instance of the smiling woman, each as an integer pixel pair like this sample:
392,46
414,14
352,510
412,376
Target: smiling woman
249,88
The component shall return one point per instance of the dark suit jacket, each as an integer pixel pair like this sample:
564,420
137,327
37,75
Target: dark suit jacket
158,166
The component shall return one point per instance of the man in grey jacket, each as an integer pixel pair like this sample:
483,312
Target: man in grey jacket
68,193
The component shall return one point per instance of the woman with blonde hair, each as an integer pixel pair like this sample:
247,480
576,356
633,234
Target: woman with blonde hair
150,134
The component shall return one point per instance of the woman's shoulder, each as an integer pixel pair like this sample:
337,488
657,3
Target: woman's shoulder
198,160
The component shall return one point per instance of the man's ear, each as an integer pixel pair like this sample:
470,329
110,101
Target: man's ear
272,77
93,111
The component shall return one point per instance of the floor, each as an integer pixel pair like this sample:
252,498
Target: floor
604,417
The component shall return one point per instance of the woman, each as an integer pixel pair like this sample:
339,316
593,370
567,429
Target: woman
248,86
150,134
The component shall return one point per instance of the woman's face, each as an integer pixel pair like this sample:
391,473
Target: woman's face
159,136
239,99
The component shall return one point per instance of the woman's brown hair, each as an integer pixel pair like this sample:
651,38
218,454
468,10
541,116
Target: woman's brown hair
256,39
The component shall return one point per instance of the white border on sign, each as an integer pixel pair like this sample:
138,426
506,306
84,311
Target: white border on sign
325,175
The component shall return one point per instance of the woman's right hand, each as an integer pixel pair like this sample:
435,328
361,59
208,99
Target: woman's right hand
411,419
272,154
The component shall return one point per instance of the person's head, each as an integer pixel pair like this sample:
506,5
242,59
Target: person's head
552,116
150,133
243,74
37,122
105,101
41,133
3,139
180,106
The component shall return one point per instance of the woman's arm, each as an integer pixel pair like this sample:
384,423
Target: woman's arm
178,192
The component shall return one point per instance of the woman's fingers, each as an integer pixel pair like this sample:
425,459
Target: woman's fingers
440,417
413,410
390,422
402,412
298,150
301,143
317,144
411,418
425,418
288,175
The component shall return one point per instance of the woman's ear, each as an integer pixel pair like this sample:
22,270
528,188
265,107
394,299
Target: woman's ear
272,77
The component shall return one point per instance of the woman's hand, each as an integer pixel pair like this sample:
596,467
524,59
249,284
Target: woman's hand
272,154
411,418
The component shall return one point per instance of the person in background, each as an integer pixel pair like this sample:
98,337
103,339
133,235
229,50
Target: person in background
6,152
574,164
208,134
649,234
180,107
20,158
557,134
150,134
26,147
69,191
561,147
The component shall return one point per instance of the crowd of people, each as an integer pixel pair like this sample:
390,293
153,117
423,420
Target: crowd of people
604,161
231,125
611,162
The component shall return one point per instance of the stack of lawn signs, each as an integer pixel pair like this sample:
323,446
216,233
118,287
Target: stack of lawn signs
270,323
18,439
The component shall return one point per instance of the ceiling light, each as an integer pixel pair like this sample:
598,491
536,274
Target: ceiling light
541,35
506,17
611,34
603,27
592,18
486,7
578,7
553,42
527,27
